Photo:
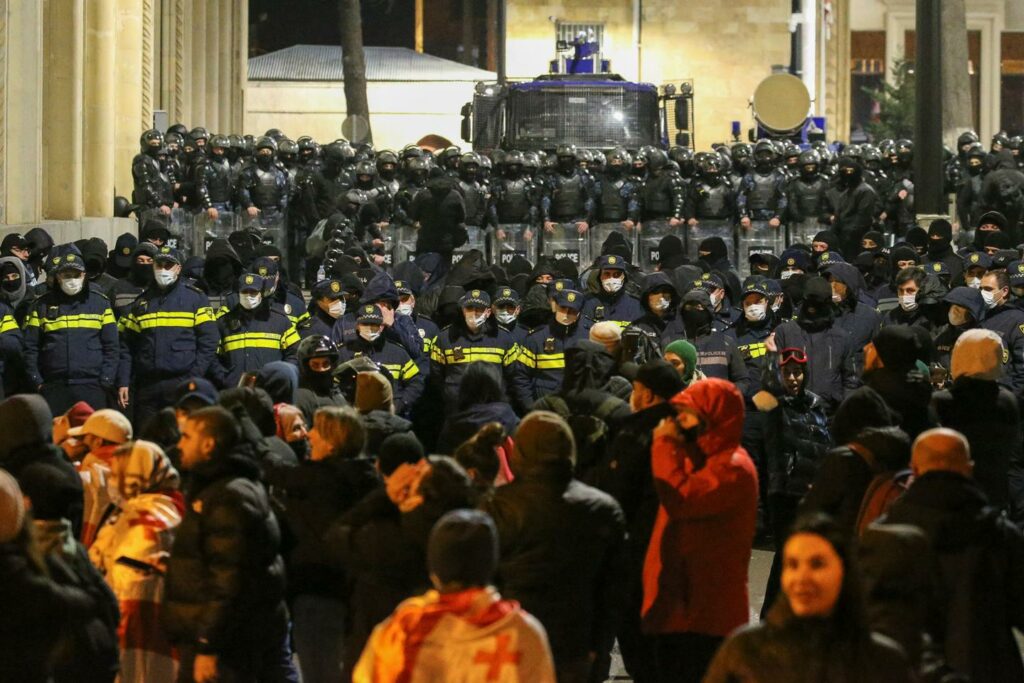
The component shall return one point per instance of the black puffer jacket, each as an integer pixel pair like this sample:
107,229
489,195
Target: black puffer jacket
980,570
785,648
314,494
797,439
225,579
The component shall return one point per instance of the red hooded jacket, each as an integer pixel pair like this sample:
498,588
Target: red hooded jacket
695,572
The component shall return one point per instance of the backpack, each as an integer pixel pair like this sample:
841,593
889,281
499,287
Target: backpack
882,492
589,430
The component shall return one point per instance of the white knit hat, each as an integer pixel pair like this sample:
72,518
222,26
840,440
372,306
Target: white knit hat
979,354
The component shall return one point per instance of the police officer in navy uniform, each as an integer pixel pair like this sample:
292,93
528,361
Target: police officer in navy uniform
276,290
253,332
426,328
612,302
167,336
506,308
326,306
540,362
406,380
71,342
473,338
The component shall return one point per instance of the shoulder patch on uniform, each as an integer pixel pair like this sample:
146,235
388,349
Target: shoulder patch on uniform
1021,328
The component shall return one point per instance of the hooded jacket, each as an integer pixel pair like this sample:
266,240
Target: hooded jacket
220,273
859,320
695,573
1003,191
945,338
717,352
653,322
441,212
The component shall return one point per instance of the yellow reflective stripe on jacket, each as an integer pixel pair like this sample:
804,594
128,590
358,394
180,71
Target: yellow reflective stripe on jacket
222,311
402,372
471,354
204,315
290,338
541,361
511,355
8,324
91,321
252,340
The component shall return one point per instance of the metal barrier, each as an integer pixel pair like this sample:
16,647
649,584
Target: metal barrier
514,239
649,240
566,242
711,227
599,233
759,238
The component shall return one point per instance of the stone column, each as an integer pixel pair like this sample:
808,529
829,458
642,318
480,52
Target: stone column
837,76
63,71
150,47
213,58
129,91
241,57
198,51
99,108
227,67
181,95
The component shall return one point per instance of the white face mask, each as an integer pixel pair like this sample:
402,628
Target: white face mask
908,302
776,307
165,278
336,309
755,312
564,318
612,284
661,304
505,317
368,334
786,274
404,309
989,297
72,286
475,322
957,317
250,301
974,282
716,298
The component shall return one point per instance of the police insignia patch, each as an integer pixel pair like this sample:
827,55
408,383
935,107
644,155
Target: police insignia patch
335,286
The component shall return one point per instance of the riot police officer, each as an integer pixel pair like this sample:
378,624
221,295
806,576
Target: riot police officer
617,195
570,197
515,197
153,189
213,184
263,188
252,333
710,196
168,335
71,343
474,194
662,197
762,195
804,198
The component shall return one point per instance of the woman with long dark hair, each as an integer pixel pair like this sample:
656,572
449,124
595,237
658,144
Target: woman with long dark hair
817,630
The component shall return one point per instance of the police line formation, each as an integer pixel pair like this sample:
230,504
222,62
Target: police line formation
501,308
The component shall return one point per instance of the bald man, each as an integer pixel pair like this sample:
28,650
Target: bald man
980,558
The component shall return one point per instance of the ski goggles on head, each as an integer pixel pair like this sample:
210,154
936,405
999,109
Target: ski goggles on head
792,355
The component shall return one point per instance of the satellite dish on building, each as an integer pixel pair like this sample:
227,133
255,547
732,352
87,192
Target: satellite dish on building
356,129
781,104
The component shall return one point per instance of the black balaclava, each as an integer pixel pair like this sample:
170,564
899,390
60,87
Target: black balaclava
940,236
321,383
918,239
12,286
816,312
850,173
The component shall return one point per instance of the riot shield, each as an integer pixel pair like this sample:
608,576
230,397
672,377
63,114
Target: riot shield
514,239
651,234
710,227
566,242
599,232
759,238
403,244
477,239
208,229
803,232
180,224
269,228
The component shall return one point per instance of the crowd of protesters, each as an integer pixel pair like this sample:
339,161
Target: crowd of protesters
306,460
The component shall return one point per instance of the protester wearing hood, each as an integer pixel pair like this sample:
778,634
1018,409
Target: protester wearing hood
966,311
440,212
314,494
660,301
541,359
764,264
1003,191
252,333
473,337
612,301
1008,322
149,507
860,320
984,412
221,270
940,249
154,357
713,252
894,369
717,354
71,343
851,207
562,547
830,371
989,222
971,542
695,573
280,380
397,366
482,400
671,253
14,245
725,313
374,399
127,289
912,308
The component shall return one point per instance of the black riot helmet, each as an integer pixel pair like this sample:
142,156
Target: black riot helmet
709,165
683,156
531,162
617,159
764,155
975,158
566,151
657,160
966,139
808,162
1000,141
334,157
263,157
309,150
178,128
418,170
237,147
151,142
220,142
288,151
791,155
742,154
469,164
199,136
316,346
276,134
872,157
904,153
1016,142
449,158
365,172
173,141
387,162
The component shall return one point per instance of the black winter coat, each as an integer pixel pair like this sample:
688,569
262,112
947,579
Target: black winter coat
786,648
987,415
49,455
796,440
838,488
458,428
225,578
36,610
981,569
314,494
830,372
562,558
